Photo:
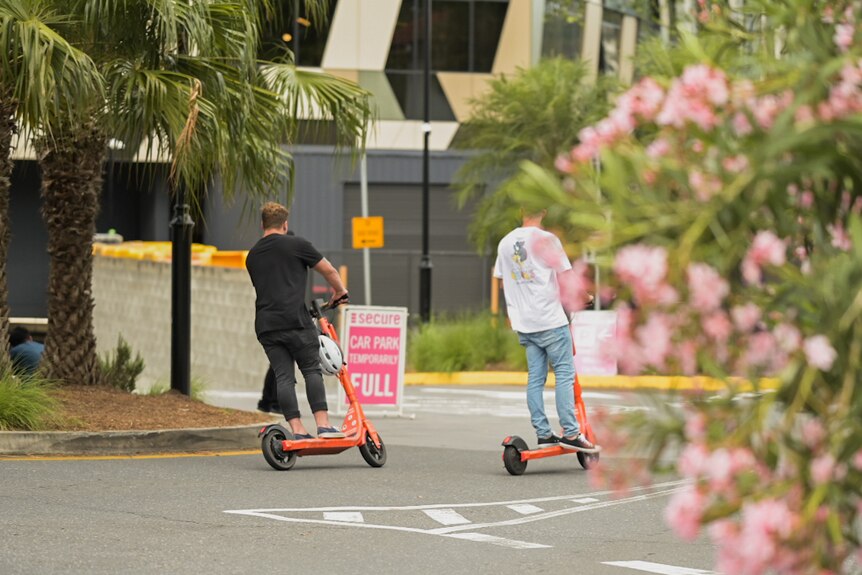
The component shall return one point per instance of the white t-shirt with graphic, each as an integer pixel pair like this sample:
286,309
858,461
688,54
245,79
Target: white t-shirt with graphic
528,261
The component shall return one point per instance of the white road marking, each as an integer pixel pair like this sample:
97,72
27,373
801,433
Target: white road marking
349,516
653,491
485,538
659,568
527,509
585,500
446,516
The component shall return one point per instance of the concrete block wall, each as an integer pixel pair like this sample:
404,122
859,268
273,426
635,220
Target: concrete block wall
133,298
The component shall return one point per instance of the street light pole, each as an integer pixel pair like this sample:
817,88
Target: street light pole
425,263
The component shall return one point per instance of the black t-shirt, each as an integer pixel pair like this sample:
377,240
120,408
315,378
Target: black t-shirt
278,265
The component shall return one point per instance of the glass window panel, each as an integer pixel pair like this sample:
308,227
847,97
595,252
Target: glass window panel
409,90
488,18
404,51
609,54
562,33
450,36
293,31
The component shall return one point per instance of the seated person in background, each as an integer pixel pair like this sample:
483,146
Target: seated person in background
26,353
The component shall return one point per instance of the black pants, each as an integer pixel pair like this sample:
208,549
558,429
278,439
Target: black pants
299,345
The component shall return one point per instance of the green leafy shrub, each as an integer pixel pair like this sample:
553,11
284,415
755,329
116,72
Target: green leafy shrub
465,343
118,369
25,402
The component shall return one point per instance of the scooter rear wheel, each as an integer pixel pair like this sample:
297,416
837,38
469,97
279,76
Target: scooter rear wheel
588,460
270,444
512,460
373,455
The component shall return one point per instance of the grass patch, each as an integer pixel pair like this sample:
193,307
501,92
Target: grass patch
26,403
198,388
465,343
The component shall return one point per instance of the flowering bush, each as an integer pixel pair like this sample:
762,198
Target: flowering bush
729,195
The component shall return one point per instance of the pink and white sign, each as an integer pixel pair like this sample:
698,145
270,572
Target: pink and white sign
593,332
375,341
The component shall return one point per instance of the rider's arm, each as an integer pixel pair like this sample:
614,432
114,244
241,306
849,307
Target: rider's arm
332,277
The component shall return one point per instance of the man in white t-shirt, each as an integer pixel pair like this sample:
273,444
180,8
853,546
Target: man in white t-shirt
530,262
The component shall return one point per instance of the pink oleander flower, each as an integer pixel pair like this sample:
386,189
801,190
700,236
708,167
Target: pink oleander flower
840,237
717,326
707,289
813,433
685,511
823,469
694,460
735,164
654,338
563,164
819,352
843,37
745,317
695,429
704,185
765,525
658,148
687,356
857,460
644,99
741,124
761,347
788,337
765,249
644,269
694,96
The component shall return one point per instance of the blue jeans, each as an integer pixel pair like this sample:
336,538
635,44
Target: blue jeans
554,345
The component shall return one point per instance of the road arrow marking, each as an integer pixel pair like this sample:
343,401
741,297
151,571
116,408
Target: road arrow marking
659,568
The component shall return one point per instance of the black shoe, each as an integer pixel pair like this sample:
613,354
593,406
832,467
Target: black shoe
275,408
552,440
264,406
579,443
302,436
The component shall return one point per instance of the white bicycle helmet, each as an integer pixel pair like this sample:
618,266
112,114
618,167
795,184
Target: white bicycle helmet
331,358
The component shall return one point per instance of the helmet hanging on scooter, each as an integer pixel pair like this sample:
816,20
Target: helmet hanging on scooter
331,358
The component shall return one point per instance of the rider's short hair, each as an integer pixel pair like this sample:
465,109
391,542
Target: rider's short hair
273,215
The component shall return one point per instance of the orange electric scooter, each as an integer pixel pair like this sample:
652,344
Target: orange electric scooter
279,447
516,452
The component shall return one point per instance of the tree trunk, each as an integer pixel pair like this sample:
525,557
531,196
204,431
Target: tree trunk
7,130
71,189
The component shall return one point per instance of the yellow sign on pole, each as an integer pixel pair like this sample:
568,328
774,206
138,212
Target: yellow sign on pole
368,232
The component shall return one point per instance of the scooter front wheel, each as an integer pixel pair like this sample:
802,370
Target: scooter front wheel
588,460
270,444
373,455
512,460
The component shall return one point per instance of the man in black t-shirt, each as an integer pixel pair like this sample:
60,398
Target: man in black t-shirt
278,266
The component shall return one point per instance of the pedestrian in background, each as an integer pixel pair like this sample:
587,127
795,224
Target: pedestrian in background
26,354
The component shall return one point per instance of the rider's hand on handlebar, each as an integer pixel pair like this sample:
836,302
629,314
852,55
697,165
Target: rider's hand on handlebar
337,299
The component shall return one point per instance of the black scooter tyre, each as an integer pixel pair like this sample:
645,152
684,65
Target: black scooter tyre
272,453
588,460
373,455
512,460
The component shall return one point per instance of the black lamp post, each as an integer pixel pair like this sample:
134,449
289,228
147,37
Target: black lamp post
425,263
181,294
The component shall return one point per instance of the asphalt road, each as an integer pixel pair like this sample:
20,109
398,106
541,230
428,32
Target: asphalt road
442,503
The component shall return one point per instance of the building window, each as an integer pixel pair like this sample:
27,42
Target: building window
609,54
294,31
562,34
464,35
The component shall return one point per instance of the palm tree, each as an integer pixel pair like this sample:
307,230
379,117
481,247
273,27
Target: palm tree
186,84
37,64
534,115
